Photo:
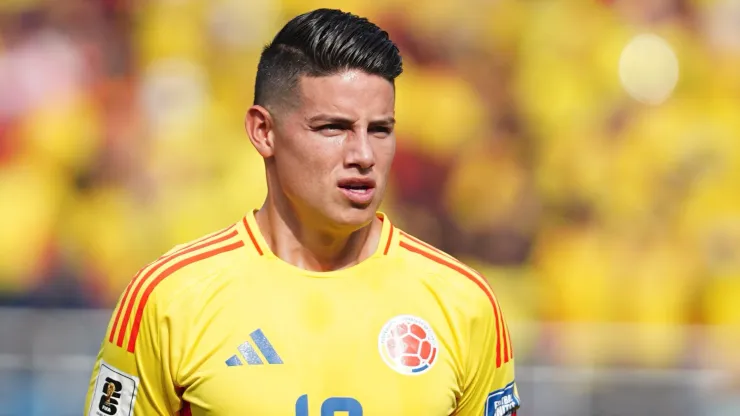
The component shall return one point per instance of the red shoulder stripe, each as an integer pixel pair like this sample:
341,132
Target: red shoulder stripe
251,236
428,246
123,303
131,283
157,266
200,240
175,267
388,243
506,338
483,286
446,256
509,351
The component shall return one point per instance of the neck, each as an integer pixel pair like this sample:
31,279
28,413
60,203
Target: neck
303,244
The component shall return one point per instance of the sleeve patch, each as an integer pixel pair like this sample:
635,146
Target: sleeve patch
114,394
502,402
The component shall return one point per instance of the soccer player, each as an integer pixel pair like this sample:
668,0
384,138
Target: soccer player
314,304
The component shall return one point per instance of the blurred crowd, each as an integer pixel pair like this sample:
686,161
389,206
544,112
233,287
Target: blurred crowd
519,151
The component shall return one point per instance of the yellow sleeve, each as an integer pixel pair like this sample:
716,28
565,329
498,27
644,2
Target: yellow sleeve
138,382
489,388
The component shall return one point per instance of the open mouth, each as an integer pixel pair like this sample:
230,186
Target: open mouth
358,190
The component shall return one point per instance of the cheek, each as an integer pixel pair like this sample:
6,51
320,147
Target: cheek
384,154
305,163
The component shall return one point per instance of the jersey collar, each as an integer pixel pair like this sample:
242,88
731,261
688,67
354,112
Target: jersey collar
253,238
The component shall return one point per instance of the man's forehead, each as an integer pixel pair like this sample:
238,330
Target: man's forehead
348,89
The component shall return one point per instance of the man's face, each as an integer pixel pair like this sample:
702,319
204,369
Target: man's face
334,150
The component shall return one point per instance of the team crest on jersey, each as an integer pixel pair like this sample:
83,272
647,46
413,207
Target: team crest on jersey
408,345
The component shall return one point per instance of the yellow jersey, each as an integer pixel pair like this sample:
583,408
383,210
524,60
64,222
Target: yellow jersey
222,326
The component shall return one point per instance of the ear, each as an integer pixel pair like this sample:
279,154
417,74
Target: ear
260,127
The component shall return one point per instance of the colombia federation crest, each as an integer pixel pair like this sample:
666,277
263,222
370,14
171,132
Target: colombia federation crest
408,345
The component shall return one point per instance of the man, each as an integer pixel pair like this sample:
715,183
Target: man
315,304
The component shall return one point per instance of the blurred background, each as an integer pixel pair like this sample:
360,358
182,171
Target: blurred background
583,154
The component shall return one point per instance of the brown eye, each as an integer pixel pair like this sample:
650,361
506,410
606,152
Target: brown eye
330,129
380,131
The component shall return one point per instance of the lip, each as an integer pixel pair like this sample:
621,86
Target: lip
358,196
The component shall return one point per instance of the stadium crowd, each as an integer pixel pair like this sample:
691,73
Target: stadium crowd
519,151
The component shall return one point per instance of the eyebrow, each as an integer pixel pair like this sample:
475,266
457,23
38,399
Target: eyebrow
385,121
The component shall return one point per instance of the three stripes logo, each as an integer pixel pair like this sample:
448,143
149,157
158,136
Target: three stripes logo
255,351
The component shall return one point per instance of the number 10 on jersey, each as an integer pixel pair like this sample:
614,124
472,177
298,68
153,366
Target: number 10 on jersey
330,406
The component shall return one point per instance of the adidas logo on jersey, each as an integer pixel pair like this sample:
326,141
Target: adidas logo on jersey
248,351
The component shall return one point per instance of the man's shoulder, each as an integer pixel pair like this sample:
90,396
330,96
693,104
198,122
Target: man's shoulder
427,256
187,264
454,274
177,278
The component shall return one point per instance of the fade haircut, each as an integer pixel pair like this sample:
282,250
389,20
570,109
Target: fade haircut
320,43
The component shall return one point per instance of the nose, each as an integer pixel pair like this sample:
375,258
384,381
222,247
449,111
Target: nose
359,153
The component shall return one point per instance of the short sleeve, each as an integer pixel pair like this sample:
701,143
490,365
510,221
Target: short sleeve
490,387
133,378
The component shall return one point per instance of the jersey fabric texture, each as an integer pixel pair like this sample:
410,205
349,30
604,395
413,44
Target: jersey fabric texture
222,326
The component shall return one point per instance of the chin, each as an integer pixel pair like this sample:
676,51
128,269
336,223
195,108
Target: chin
354,217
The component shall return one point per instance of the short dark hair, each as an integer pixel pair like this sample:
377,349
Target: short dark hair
323,42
